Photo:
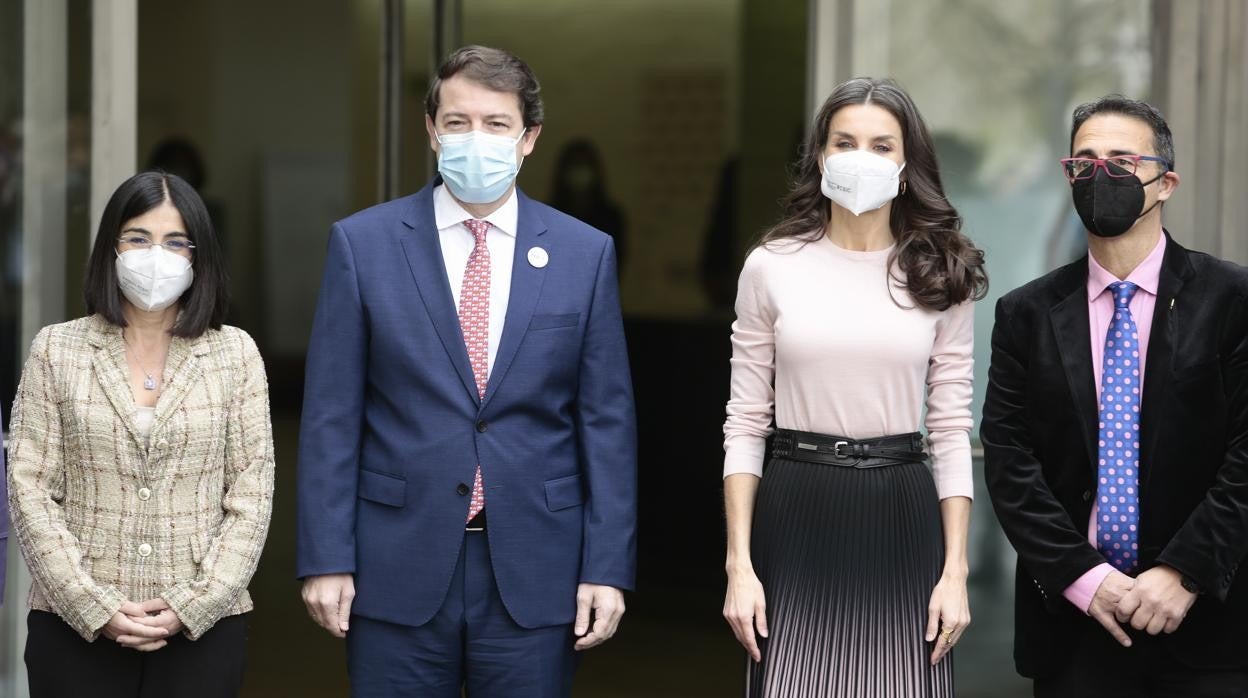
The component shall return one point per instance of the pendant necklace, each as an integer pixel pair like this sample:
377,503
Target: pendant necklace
149,380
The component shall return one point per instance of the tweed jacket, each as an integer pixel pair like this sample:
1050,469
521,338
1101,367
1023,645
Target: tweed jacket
101,516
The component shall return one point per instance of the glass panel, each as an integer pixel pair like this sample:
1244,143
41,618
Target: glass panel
11,83
670,126
272,113
45,163
644,107
999,135
417,159
79,226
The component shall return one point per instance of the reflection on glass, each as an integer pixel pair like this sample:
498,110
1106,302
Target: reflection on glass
999,135
11,66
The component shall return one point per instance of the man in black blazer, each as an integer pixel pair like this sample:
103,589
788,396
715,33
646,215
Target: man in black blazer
1116,451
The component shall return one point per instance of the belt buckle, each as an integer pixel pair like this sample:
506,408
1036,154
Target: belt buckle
836,449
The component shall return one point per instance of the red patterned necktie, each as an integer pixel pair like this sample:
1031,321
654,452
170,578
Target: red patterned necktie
474,320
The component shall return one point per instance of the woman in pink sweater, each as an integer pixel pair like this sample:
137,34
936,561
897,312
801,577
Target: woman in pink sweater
847,556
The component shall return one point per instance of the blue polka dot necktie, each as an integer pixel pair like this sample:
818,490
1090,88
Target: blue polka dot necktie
1118,496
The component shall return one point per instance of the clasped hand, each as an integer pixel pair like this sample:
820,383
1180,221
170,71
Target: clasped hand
1153,602
143,626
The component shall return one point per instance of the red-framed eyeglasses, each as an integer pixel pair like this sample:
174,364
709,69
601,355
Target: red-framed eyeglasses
1116,166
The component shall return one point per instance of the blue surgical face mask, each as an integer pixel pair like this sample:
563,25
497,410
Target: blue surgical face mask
478,167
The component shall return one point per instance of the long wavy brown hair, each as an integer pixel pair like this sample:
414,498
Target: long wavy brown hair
942,267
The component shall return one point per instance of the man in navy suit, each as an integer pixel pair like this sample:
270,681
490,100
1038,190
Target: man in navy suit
467,465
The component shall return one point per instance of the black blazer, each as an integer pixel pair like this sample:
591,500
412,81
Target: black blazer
1039,431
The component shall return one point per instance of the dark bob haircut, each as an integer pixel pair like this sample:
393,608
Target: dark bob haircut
204,303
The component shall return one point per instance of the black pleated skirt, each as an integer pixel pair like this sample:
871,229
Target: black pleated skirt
848,559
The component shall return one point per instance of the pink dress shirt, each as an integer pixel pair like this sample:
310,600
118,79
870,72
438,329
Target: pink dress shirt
1100,311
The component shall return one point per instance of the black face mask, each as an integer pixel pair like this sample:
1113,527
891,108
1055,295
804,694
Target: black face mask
1109,206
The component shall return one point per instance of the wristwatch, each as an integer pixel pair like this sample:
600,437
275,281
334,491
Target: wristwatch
1188,584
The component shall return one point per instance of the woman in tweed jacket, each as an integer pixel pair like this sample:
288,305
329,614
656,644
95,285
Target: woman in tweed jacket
141,464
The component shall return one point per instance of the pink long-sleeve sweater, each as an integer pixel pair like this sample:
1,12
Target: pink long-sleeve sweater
819,345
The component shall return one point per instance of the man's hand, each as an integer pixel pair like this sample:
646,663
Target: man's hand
328,598
1113,588
123,629
1157,602
607,604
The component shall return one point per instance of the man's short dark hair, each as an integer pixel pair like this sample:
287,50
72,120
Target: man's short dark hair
1163,142
204,303
493,68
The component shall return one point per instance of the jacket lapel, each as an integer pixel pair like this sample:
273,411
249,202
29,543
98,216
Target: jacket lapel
423,251
113,375
183,371
526,288
1070,327
1158,371
182,374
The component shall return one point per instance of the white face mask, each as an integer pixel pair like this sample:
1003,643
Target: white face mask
153,279
478,167
860,181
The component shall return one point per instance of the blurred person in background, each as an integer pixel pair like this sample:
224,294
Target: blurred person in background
580,190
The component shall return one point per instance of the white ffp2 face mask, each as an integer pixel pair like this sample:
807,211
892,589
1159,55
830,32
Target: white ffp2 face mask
153,279
860,181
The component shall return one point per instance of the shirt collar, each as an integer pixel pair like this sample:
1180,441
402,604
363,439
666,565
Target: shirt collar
448,213
1146,275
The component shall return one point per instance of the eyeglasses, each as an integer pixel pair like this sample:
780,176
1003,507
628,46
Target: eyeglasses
140,242
1116,166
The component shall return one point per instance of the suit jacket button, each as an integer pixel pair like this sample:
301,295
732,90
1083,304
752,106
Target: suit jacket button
1087,494
463,489
482,426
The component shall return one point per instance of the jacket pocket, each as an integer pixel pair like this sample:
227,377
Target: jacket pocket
550,322
564,493
200,542
385,489
90,542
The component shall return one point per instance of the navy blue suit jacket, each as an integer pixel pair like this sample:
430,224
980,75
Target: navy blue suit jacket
393,430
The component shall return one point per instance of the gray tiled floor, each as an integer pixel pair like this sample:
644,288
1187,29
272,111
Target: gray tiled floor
673,641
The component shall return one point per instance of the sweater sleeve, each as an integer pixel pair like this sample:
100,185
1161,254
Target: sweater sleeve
751,403
949,375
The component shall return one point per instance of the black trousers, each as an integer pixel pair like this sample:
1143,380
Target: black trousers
1101,668
63,665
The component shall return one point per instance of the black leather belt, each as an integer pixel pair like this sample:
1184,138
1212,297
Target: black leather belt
477,524
850,453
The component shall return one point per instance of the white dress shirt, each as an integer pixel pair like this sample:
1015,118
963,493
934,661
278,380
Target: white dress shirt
457,243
